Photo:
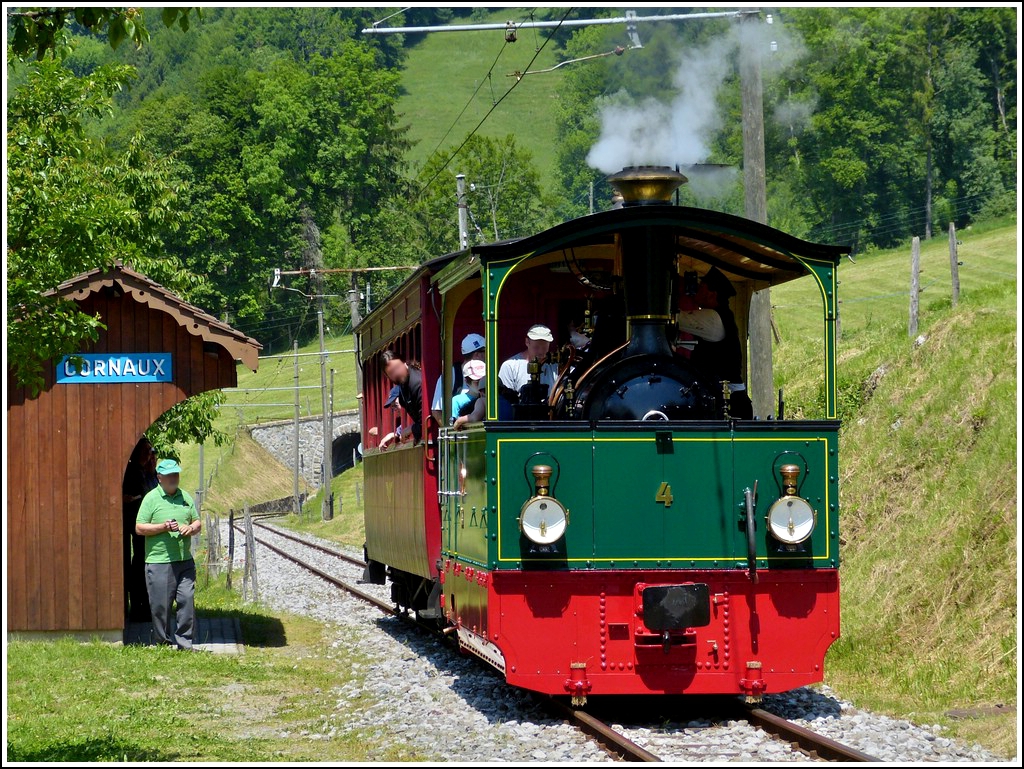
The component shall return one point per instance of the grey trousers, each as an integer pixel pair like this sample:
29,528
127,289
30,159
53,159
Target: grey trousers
166,583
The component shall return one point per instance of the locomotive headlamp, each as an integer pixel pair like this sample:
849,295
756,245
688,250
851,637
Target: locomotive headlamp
791,518
543,518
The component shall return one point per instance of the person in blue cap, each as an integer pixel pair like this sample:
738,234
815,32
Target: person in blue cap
168,520
392,404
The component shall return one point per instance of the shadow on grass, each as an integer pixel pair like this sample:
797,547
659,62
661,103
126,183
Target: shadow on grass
257,629
95,749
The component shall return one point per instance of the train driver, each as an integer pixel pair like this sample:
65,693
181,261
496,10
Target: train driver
514,373
473,348
717,351
409,379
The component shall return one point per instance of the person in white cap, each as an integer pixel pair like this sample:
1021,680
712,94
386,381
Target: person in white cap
473,348
471,406
514,373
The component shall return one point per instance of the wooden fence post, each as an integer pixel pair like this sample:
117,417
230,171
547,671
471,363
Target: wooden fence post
915,285
250,584
954,263
208,535
231,544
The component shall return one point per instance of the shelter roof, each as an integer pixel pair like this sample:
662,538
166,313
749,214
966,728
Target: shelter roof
143,290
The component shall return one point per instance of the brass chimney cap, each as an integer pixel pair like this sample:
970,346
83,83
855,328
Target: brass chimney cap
641,185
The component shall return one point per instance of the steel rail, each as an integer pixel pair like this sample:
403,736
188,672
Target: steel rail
602,733
314,545
387,608
812,743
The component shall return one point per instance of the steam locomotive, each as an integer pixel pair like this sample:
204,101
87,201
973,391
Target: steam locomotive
626,530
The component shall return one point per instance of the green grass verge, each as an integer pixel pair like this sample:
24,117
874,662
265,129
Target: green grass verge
460,60
928,456
71,701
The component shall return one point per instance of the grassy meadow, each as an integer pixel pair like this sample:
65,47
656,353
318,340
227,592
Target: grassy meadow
528,112
929,468
73,702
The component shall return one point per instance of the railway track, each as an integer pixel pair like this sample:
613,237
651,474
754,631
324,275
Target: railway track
815,746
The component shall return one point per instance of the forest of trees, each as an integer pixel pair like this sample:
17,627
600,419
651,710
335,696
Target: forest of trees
218,145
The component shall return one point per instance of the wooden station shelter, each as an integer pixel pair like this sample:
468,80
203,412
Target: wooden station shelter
68,447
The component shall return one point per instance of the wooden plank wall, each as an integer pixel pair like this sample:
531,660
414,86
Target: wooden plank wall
67,452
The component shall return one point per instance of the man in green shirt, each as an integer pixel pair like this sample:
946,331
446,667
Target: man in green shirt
168,520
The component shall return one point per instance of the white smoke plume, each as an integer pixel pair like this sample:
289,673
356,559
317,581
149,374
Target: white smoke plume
652,132
710,182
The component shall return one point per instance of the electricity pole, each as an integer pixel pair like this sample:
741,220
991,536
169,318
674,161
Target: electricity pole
325,471
353,306
460,190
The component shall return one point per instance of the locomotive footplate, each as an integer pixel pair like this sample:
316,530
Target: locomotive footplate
675,607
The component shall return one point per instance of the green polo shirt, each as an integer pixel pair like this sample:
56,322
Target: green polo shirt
158,507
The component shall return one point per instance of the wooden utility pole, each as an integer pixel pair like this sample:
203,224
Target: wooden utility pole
915,285
954,263
760,376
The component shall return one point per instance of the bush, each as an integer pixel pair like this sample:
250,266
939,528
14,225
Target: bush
997,206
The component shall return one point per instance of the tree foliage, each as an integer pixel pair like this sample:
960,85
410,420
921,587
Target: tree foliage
39,31
71,207
881,124
503,194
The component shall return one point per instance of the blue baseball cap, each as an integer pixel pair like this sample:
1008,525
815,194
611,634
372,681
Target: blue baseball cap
167,467
392,396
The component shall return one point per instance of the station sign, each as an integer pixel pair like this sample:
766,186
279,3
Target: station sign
116,367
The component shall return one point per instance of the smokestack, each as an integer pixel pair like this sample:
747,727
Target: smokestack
646,185
648,259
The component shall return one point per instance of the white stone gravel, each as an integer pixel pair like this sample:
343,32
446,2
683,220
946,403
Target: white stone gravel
700,741
412,691
889,739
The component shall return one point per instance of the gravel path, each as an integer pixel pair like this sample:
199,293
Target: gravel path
412,691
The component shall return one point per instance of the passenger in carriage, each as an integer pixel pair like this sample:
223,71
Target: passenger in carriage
717,350
473,348
392,418
514,374
471,405
409,379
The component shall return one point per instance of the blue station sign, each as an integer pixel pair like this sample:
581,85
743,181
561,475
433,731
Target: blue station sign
116,367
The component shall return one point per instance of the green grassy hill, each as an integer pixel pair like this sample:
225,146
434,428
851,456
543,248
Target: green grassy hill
929,457
461,60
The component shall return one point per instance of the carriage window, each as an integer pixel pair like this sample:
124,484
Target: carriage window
379,420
